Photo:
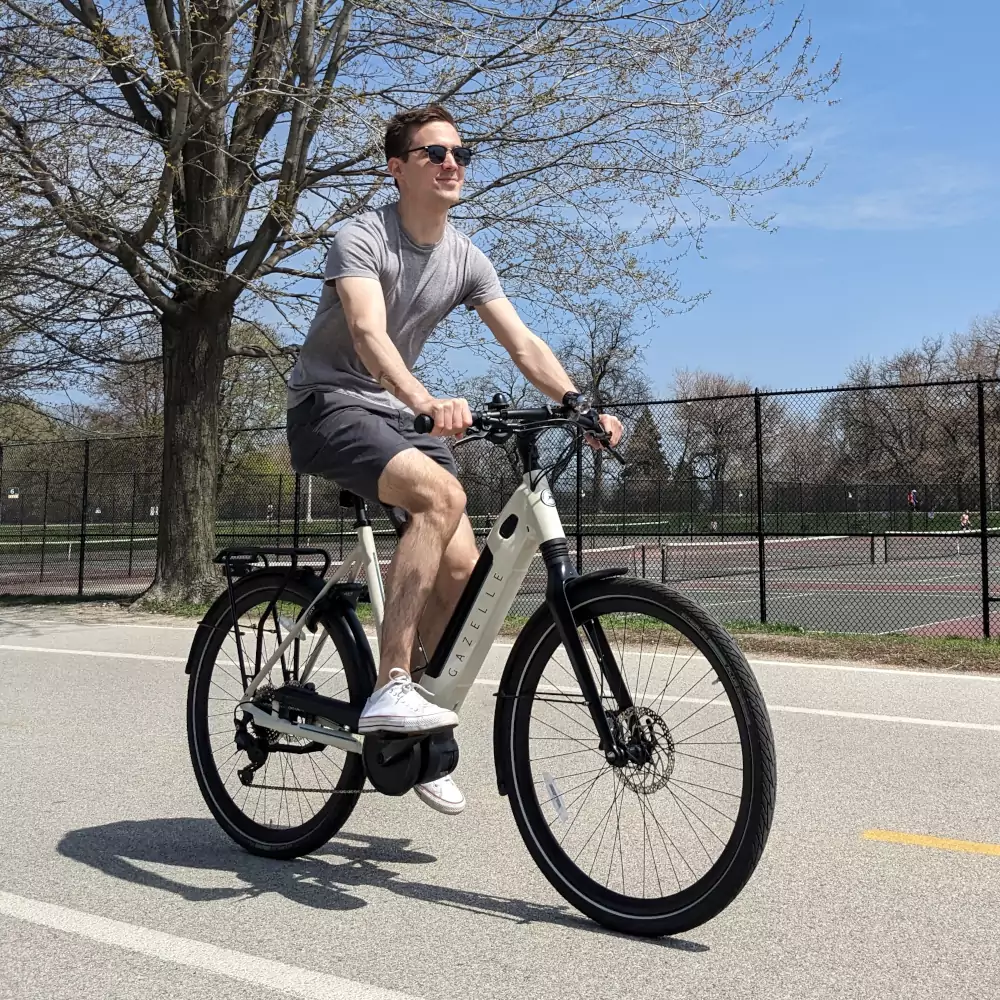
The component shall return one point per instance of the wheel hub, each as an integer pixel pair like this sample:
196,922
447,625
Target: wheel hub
646,761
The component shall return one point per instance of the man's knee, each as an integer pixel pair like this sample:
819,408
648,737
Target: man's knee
423,488
444,505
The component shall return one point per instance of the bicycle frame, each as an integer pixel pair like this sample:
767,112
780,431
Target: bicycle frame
529,522
529,519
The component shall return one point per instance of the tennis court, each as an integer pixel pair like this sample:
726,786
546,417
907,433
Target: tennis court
922,583
927,583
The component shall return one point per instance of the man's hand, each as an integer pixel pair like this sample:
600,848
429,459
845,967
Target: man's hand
452,417
613,428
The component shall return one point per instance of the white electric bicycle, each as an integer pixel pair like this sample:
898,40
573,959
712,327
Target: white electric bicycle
630,735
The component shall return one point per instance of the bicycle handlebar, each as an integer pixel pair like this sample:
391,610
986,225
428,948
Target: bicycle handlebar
575,410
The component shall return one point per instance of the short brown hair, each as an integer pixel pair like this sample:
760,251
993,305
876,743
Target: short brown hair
402,124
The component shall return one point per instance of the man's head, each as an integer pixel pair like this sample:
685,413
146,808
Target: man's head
412,167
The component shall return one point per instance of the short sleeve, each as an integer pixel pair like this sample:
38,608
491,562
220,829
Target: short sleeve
482,283
356,252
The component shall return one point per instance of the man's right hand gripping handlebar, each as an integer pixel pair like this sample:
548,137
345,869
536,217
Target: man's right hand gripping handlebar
444,418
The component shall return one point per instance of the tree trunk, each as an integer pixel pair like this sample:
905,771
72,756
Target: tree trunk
194,352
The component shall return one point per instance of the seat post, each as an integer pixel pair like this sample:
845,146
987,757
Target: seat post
349,499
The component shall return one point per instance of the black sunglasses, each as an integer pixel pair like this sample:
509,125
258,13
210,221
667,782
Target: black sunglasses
436,154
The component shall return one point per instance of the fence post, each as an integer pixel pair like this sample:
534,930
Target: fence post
277,519
131,527
295,517
624,502
761,568
984,550
659,510
579,503
83,515
45,524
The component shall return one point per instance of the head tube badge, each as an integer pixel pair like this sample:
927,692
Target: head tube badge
547,498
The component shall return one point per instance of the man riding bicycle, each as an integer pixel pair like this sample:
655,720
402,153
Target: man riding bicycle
391,276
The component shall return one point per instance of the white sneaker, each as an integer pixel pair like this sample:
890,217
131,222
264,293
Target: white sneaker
443,795
403,707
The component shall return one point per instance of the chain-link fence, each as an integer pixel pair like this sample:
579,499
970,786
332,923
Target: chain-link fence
869,509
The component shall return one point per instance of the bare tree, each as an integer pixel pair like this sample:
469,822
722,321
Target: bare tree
604,356
717,425
203,150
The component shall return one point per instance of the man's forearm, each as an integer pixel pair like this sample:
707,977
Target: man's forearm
542,369
380,356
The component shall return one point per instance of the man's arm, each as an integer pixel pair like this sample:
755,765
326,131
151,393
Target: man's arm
530,353
535,358
364,310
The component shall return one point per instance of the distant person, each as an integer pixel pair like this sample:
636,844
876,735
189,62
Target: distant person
930,513
714,525
964,522
911,500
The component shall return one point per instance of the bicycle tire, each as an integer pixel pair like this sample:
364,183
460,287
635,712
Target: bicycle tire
258,838
719,886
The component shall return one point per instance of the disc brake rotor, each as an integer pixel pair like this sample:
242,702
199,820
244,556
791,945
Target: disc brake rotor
650,750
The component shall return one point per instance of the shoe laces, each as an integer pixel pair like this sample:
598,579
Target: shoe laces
402,684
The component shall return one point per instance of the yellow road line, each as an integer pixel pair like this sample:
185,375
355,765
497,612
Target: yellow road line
923,840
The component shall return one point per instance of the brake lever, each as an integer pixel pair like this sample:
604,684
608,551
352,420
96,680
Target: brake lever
466,438
605,446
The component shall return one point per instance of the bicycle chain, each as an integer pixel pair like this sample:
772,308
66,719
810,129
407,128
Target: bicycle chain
321,791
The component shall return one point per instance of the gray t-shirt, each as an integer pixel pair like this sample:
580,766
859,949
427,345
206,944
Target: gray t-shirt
421,285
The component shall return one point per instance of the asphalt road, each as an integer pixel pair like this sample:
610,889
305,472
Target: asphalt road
116,883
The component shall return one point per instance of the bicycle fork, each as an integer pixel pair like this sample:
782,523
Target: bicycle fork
560,569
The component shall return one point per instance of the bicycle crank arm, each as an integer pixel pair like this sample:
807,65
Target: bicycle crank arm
339,738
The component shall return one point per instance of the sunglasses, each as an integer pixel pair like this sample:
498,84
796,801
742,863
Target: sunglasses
436,154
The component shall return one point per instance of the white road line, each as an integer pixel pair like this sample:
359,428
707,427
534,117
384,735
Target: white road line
260,973
792,709
828,712
106,654
798,664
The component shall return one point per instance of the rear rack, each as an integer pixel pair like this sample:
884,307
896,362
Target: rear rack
242,559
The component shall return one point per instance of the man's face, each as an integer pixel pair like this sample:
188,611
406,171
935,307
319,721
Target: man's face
424,182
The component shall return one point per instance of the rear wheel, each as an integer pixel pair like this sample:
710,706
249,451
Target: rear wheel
666,839
302,793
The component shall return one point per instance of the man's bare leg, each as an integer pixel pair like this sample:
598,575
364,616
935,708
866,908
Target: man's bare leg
456,568
435,501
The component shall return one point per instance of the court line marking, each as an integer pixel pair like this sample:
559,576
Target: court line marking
938,621
925,840
260,973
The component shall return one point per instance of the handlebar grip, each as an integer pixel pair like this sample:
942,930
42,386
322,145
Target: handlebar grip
423,423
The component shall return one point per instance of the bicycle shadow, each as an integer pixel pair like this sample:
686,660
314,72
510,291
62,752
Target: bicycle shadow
137,851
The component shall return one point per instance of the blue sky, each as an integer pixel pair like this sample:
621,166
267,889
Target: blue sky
898,241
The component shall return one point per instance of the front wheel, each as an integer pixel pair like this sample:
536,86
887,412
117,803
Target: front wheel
664,840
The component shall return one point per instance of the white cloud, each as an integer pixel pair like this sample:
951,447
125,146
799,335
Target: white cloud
912,194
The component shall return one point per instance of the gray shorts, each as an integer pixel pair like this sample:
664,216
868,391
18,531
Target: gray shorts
340,437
